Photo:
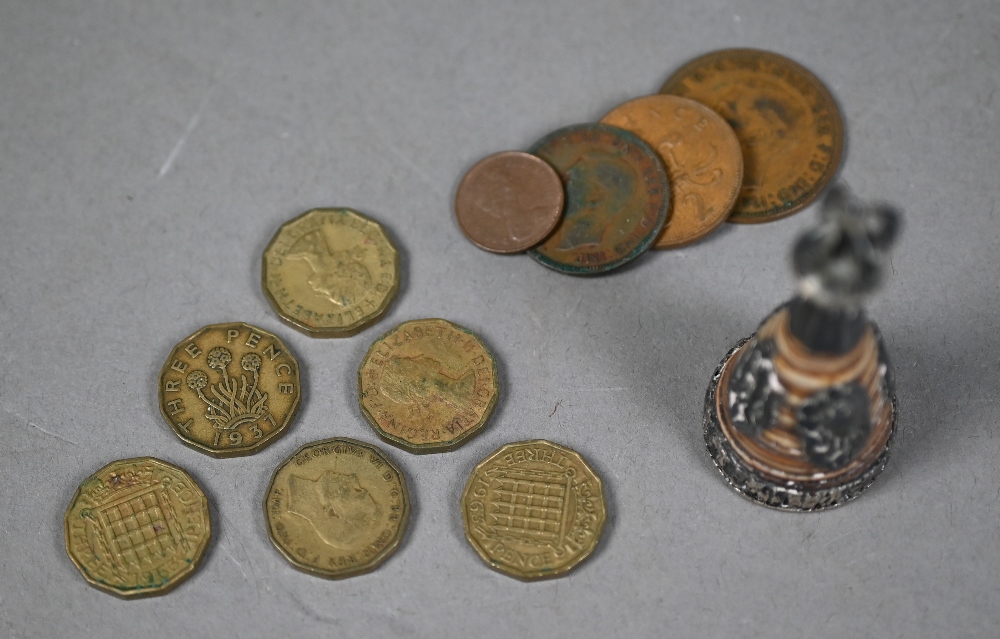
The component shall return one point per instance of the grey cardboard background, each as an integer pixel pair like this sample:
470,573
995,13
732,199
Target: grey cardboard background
149,150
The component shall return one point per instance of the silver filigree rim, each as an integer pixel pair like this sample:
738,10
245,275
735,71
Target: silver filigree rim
789,497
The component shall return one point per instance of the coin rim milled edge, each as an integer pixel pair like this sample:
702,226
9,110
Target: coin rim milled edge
362,324
236,452
175,581
546,574
423,449
376,561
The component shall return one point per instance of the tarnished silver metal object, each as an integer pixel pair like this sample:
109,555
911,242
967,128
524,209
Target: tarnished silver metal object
800,415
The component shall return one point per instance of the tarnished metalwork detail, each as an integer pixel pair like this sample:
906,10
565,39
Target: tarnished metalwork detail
755,392
834,424
617,198
800,415
754,485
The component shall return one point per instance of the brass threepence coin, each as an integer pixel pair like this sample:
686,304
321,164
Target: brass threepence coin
229,389
509,202
337,508
428,385
617,198
702,156
789,126
533,509
137,527
331,272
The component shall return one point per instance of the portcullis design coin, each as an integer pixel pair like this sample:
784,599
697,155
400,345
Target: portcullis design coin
533,509
617,198
137,527
331,272
337,508
428,385
229,389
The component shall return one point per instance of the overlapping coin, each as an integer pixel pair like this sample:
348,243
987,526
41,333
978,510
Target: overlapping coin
702,156
617,198
428,385
533,509
229,389
331,272
137,527
337,508
788,124
509,202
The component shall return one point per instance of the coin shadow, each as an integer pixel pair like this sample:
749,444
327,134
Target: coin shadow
463,471
58,539
503,379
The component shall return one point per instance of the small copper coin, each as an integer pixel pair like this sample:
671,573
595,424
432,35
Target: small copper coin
787,122
509,202
230,389
702,156
617,198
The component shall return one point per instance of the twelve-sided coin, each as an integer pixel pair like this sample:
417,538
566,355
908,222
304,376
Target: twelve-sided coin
337,508
137,527
428,385
229,389
533,509
331,272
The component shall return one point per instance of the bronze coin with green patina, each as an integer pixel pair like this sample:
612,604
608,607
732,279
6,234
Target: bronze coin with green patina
617,198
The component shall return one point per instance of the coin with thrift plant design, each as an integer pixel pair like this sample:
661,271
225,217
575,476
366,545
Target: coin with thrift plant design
229,389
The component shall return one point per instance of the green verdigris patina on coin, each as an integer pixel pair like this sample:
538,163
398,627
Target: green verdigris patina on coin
617,198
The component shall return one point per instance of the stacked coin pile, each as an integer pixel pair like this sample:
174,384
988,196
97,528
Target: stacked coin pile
739,134
336,507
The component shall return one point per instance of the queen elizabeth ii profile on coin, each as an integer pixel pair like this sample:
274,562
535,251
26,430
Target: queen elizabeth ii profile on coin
331,272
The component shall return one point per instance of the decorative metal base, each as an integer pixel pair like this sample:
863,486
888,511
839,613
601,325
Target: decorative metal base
791,496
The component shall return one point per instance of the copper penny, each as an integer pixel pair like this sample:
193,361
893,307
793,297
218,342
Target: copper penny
509,202
702,157
788,124
617,198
